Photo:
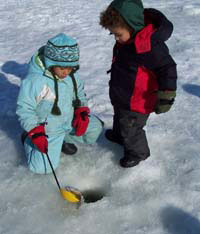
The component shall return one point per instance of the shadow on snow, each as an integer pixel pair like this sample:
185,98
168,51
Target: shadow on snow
192,89
177,221
8,98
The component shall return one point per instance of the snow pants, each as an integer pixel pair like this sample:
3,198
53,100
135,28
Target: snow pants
128,126
37,161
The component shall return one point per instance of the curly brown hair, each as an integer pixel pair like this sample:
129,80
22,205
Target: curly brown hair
110,18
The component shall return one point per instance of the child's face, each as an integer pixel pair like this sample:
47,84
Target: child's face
62,72
122,35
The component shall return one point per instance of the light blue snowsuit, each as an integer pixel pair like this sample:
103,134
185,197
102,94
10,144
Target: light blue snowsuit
34,106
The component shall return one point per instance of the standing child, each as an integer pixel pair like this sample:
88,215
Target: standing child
52,105
143,74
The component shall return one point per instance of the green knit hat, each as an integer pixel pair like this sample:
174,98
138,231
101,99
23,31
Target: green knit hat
131,11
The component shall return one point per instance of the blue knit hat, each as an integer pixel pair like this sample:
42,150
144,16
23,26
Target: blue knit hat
62,51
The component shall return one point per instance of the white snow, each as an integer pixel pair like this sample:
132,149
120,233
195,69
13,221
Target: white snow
162,194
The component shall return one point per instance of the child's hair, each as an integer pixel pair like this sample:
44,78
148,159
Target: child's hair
110,18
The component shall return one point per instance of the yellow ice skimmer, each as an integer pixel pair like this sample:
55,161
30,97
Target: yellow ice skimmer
69,193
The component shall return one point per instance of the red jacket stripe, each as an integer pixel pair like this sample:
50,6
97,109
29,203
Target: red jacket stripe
144,95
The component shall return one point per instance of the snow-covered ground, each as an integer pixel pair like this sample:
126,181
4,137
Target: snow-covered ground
162,194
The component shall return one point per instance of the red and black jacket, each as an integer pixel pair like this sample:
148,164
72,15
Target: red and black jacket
143,66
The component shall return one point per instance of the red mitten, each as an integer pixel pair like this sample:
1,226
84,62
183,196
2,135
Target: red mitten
39,138
81,120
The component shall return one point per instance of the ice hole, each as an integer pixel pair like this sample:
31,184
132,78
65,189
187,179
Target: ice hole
93,195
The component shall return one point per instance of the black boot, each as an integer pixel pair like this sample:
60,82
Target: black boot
68,148
129,161
111,137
